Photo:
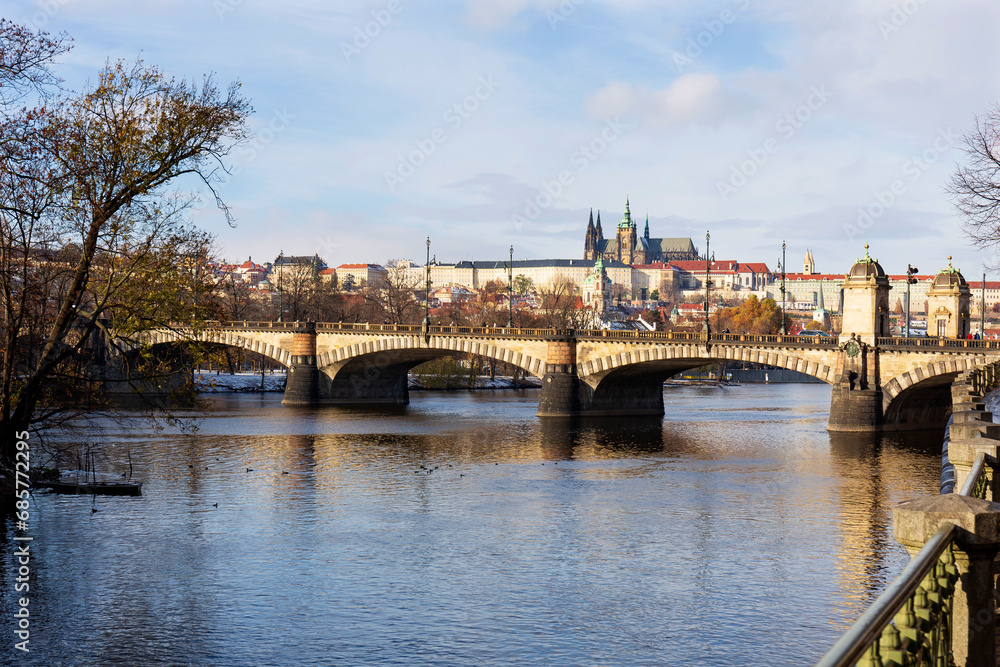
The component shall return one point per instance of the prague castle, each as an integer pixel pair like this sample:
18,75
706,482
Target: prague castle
629,248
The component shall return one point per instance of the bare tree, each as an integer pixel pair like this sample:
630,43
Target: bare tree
392,297
561,307
91,239
975,186
298,286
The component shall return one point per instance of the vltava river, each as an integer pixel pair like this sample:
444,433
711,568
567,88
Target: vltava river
463,530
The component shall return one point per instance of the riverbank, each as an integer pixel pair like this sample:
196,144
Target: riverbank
453,383
210,382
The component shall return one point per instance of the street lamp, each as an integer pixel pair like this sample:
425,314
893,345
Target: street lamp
708,275
510,289
982,312
910,280
281,264
427,288
783,264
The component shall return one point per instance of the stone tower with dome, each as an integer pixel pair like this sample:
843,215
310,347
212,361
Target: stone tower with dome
948,304
866,301
856,399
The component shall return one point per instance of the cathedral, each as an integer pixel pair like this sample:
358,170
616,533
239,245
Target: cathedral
630,248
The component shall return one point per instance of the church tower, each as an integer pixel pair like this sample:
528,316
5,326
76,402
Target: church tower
626,237
590,241
808,264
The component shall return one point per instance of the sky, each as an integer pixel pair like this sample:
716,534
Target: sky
486,124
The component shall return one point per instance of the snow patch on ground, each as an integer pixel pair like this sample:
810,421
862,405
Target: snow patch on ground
209,382
482,382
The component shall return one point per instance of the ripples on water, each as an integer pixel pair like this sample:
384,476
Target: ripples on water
735,531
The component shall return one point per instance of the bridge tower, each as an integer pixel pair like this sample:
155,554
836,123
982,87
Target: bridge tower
856,399
948,304
866,301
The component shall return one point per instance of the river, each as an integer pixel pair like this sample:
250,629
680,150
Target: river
463,530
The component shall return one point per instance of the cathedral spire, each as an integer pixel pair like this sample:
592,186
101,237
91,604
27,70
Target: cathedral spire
646,233
627,218
590,225
600,232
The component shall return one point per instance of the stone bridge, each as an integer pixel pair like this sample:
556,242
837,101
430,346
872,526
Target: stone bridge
879,383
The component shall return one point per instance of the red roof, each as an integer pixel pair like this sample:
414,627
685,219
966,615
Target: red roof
696,265
756,267
328,272
359,266
657,265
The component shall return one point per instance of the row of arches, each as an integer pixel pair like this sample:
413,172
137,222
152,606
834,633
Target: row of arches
367,371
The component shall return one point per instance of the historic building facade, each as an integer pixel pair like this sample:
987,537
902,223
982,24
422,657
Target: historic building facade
630,248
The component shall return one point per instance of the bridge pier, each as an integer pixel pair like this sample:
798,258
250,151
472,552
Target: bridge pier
560,384
856,399
302,385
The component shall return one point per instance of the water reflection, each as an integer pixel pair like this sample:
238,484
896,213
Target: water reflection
876,472
463,530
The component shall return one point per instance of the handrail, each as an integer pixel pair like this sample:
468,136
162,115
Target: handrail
977,482
853,644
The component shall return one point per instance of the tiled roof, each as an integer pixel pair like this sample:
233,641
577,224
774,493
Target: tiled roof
667,245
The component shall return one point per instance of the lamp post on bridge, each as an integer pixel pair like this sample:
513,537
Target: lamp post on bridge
510,289
708,275
910,280
427,290
781,267
281,265
982,312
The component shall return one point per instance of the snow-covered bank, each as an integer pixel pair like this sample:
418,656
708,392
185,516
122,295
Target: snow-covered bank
481,382
210,382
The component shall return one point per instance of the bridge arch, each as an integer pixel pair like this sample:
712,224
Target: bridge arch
404,349
633,380
922,395
374,370
228,338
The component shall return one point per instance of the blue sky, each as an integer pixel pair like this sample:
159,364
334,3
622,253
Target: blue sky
490,123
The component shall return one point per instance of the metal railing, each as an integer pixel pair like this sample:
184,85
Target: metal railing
910,622
978,482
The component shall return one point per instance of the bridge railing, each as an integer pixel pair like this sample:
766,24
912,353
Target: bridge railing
923,342
773,339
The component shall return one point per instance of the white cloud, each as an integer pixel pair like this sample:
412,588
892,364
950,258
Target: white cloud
691,98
